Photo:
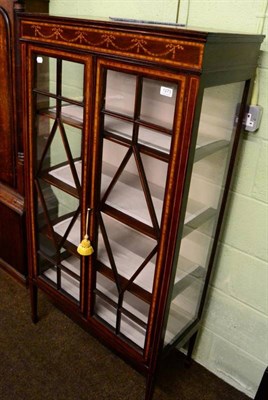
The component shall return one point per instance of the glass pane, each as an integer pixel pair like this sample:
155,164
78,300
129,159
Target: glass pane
158,102
58,234
112,157
46,68
55,212
43,127
154,139
71,113
214,145
53,140
131,304
45,104
126,193
132,330
128,311
129,250
120,92
105,311
136,306
156,174
73,80
118,127
129,328
64,273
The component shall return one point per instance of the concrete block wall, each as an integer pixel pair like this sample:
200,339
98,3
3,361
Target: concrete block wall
233,342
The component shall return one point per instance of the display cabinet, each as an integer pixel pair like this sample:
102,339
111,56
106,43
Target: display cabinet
131,133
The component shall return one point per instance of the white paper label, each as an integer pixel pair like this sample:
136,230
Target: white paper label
165,91
39,60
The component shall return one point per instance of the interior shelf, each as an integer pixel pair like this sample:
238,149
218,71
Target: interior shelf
130,200
207,145
128,328
128,258
71,114
184,306
128,197
67,282
133,288
60,225
74,236
187,271
129,250
157,140
197,218
62,177
131,303
64,173
179,320
152,138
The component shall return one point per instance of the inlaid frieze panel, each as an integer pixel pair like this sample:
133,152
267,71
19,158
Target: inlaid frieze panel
139,46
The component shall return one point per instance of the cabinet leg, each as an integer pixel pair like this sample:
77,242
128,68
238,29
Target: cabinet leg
33,295
191,348
149,387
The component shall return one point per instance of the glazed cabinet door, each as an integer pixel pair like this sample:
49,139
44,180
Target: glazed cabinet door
59,97
138,115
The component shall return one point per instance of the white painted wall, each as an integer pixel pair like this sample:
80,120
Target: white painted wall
233,342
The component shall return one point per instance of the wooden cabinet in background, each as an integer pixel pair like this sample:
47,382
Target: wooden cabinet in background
13,246
131,136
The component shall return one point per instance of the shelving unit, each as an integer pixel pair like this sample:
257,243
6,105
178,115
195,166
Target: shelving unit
127,144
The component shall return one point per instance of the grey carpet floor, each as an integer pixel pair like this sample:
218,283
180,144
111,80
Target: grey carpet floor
57,360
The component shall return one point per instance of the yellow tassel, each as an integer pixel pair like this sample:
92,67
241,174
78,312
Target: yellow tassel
85,248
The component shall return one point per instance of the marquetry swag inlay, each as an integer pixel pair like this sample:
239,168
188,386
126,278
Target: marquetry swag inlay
165,50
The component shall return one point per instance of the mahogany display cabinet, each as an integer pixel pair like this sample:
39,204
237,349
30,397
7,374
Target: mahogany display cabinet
131,136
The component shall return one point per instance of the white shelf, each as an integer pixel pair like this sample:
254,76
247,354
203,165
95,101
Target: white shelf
194,209
207,145
183,308
74,235
178,320
130,249
188,274
131,302
64,174
130,329
148,137
127,195
185,268
69,111
157,140
73,111
68,283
